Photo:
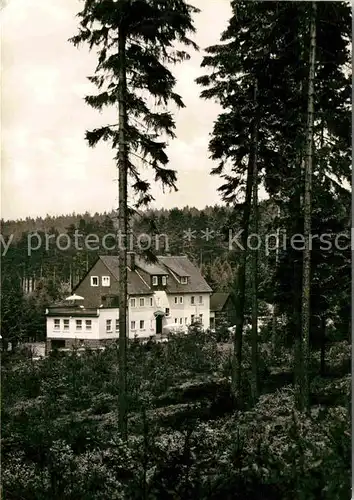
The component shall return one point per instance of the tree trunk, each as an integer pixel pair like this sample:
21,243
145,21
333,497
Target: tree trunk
298,257
123,229
350,330
241,287
71,279
306,282
275,340
323,346
296,320
254,335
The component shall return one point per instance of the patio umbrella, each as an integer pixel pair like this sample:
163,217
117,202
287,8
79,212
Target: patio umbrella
75,297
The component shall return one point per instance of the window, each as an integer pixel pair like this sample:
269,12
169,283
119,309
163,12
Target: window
117,325
176,320
79,324
181,300
180,321
184,280
66,324
132,325
192,299
142,302
141,324
151,302
106,281
164,281
201,318
108,325
132,302
186,320
88,324
176,300
57,324
192,319
167,311
94,280
154,280
200,299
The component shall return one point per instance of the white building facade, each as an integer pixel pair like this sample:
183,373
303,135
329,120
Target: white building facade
71,326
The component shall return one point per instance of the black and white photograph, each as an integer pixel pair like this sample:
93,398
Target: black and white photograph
176,197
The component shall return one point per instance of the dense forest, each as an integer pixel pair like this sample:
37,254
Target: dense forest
267,414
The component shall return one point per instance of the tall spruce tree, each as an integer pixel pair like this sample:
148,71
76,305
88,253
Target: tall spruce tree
236,63
270,41
136,41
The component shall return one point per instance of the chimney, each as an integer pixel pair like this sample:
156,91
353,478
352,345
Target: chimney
131,260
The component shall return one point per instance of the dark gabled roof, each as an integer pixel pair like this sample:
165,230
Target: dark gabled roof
176,265
136,285
138,281
218,301
151,269
182,266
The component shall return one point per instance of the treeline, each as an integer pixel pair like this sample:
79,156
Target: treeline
60,223
43,254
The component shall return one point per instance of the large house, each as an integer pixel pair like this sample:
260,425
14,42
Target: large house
169,294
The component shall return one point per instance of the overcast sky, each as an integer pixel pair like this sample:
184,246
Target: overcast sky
47,166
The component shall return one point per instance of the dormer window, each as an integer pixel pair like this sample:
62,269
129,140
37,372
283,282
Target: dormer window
155,281
164,281
184,280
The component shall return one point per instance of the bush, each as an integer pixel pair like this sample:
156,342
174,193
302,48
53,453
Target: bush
60,434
